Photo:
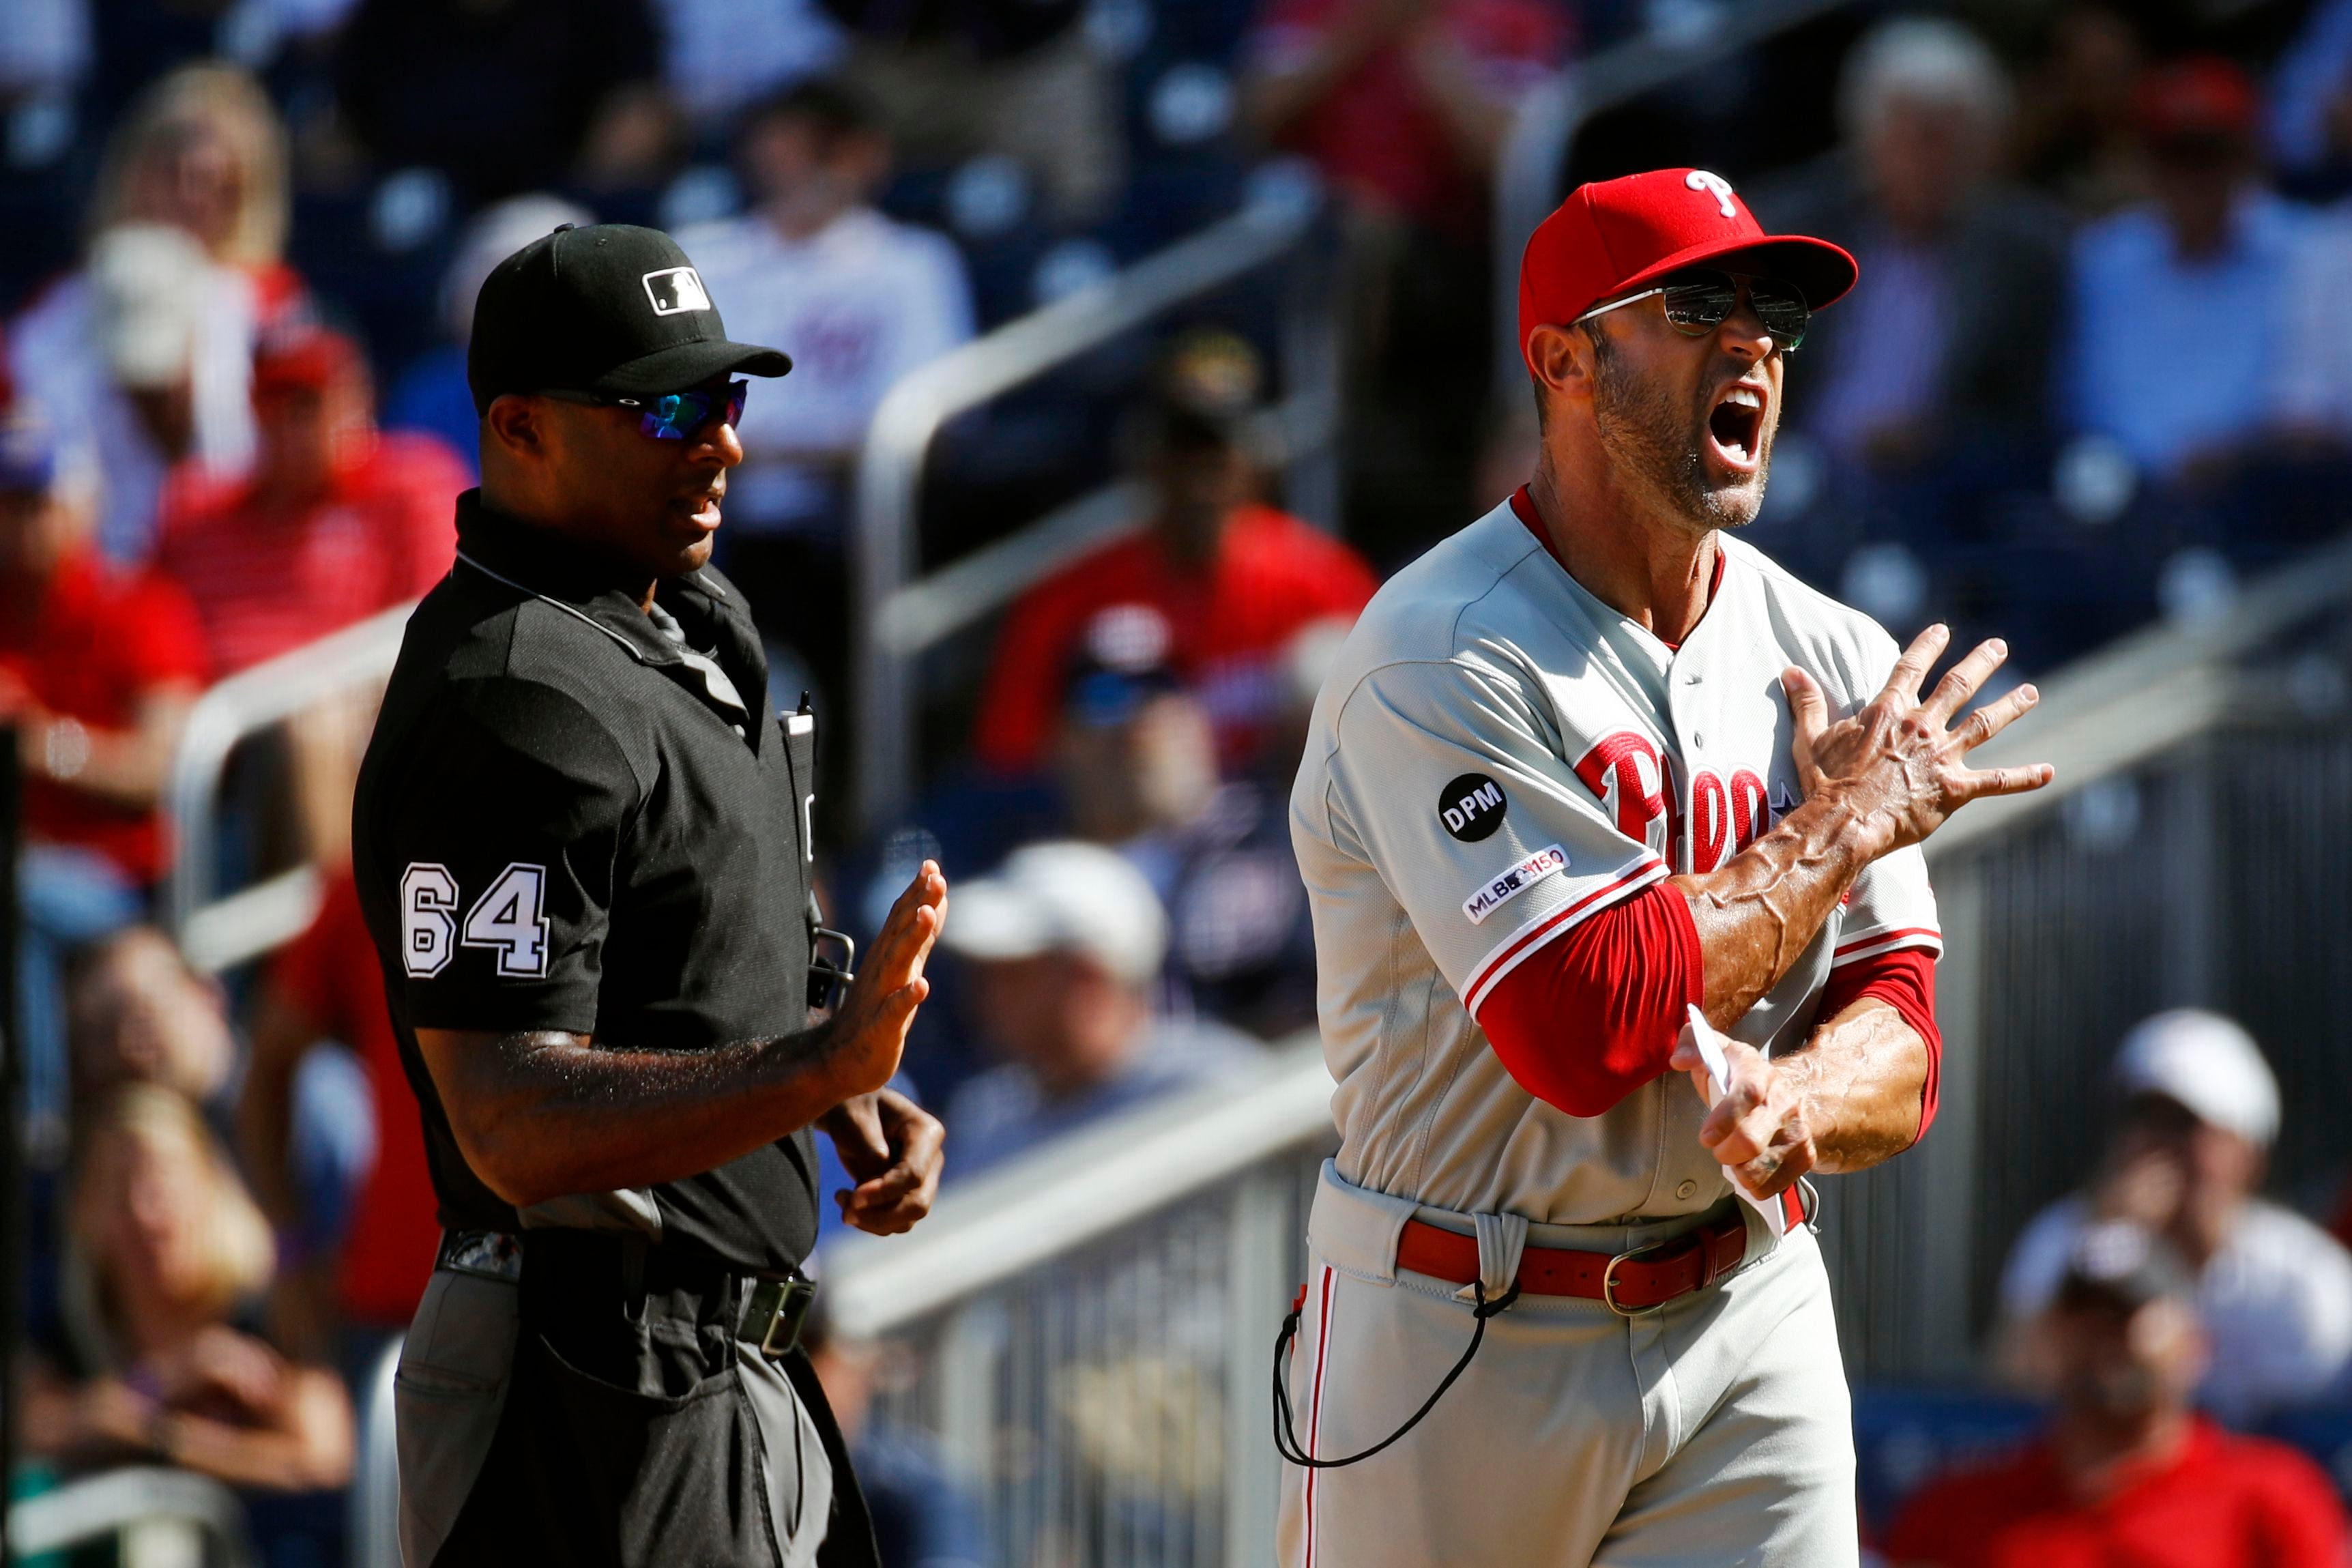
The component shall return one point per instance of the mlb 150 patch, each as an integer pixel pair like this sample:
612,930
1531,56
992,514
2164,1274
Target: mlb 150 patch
1514,882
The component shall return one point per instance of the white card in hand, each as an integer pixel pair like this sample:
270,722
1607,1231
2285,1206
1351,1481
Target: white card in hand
1709,1045
1710,1051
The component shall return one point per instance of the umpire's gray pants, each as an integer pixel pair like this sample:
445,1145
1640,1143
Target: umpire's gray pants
1714,1432
451,1389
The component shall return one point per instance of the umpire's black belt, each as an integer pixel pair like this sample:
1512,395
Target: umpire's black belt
775,1306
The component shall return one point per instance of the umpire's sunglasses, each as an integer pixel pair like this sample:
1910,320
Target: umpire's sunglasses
1697,303
674,416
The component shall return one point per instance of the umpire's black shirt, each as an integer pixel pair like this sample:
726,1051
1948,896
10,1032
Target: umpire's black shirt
562,822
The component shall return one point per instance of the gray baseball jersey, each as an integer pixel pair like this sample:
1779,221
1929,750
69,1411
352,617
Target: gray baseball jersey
1498,756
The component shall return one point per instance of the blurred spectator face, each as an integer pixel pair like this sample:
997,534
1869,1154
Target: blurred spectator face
1064,1016
311,407
1196,450
2122,1339
1923,157
167,1227
2201,1109
810,159
37,526
1137,753
1925,101
139,1015
1154,768
188,174
1197,482
2197,117
2180,1176
1065,940
41,515
2096,60
2122,1363
204,153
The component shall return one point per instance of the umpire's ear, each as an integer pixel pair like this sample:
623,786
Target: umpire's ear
516,429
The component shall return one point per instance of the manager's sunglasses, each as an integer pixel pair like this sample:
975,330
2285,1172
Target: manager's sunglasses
674,416
1697,303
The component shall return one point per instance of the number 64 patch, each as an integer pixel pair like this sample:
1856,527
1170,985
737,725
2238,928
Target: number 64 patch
508,918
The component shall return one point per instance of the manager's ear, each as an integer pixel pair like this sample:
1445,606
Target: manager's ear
1560,360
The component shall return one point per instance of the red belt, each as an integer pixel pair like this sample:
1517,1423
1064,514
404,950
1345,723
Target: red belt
1637,1282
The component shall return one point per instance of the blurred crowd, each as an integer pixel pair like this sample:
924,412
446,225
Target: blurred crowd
2097,374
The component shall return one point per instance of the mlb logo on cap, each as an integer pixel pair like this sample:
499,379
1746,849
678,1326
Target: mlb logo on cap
675,290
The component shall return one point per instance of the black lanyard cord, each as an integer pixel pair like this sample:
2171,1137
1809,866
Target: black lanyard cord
1285,1435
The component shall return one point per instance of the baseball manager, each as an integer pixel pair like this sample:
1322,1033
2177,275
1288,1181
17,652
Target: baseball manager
581,840
1593,780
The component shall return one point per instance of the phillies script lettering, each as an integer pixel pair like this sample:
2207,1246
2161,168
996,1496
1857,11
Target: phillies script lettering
1694,829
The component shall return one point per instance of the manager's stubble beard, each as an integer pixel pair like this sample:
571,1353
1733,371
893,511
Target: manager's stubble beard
1656,442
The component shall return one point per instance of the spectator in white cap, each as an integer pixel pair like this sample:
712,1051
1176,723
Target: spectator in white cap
431,395
2200,1112
1064,942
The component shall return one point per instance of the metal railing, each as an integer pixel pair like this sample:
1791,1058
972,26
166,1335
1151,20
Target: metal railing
376,1470
157,1515
893,627
217,929
1087,1335
1089,1327
1690,36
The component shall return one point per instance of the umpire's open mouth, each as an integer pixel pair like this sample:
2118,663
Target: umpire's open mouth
1735,425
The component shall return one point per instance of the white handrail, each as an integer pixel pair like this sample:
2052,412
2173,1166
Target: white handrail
128,1499
1280,214
243,705
2144,694
1009,1220
2103,715
1544,127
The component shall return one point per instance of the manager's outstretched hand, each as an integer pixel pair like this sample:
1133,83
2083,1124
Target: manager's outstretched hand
869,1033
1902,758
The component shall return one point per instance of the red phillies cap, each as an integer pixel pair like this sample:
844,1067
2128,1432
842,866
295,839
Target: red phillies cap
1619,237
302,358
2201,99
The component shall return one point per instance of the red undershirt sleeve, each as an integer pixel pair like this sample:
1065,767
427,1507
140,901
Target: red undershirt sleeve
1906,981
1594,1017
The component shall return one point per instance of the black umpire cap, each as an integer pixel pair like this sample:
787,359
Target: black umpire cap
611,309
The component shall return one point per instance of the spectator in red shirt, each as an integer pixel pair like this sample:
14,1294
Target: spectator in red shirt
1404,105
1233,580
328,986
334,522
97,667
2127,1475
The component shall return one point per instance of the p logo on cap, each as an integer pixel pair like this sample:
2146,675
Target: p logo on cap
1715,185
675,289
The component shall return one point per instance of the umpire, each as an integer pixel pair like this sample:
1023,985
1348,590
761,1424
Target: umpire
582,844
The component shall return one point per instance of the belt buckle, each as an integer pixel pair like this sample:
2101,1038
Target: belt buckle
1608,1278
778,1306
